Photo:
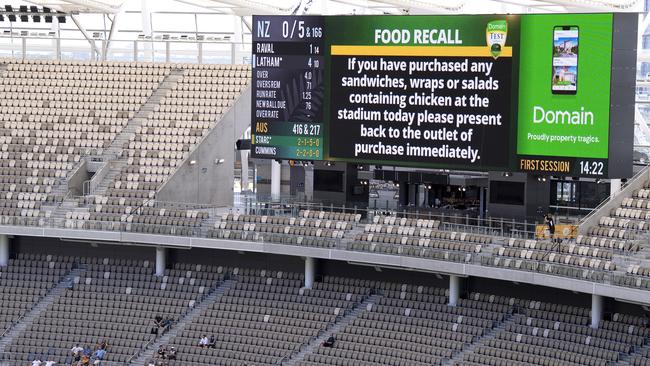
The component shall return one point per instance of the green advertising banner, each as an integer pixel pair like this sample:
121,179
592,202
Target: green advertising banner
567,125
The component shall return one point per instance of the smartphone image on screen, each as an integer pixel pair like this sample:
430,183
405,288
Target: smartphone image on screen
565,60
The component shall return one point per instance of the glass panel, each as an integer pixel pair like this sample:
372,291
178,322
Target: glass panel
183,52
120,51
10,47
216,53
75,49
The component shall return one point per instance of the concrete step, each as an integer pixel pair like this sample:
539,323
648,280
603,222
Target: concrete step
179,326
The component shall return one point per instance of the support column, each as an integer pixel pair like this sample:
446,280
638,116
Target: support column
161,261
454,290
310,272
276,180
614,186
4,250
309,182
147,30
244,169
596,310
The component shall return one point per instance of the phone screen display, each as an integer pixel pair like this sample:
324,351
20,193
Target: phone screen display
565,60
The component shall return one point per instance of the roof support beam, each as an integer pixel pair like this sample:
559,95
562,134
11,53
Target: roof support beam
85,34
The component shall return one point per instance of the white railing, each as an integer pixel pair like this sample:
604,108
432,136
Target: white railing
206,51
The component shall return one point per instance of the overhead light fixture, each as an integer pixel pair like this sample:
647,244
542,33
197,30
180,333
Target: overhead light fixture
9,9
507,174
541,179
23,16
48,18
36,17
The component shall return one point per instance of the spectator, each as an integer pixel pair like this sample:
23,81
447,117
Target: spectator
76,353
50,363
37,362
158,320
212,342
158,323
171,355
102,345
167,322
87,352
204,342
85,360
161,351
551,226
99,354
329,342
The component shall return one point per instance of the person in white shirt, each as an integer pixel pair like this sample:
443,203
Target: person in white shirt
204,341
37,363
50,363
76,353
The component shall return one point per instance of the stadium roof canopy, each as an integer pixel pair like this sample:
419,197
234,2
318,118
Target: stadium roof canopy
248,7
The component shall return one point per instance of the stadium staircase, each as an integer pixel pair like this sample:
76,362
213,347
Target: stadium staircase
480,341
337,327
179,326
23,323
116,161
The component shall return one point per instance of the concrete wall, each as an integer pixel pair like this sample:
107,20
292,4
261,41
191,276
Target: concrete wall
205,181
237,259
77,179
27,244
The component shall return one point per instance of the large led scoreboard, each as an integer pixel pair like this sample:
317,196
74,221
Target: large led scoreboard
288,88
548,94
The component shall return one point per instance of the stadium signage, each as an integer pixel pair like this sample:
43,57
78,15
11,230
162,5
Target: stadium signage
471,92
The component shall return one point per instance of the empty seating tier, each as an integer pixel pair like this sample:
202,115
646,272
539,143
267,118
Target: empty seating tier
116,301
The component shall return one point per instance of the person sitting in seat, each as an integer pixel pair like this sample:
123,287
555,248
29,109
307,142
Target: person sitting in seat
37,362
158,320
161,351
204,342
99,355
167,322
212,342
85,360
102,345
171,354
158,323
329,342
50,363
76,353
